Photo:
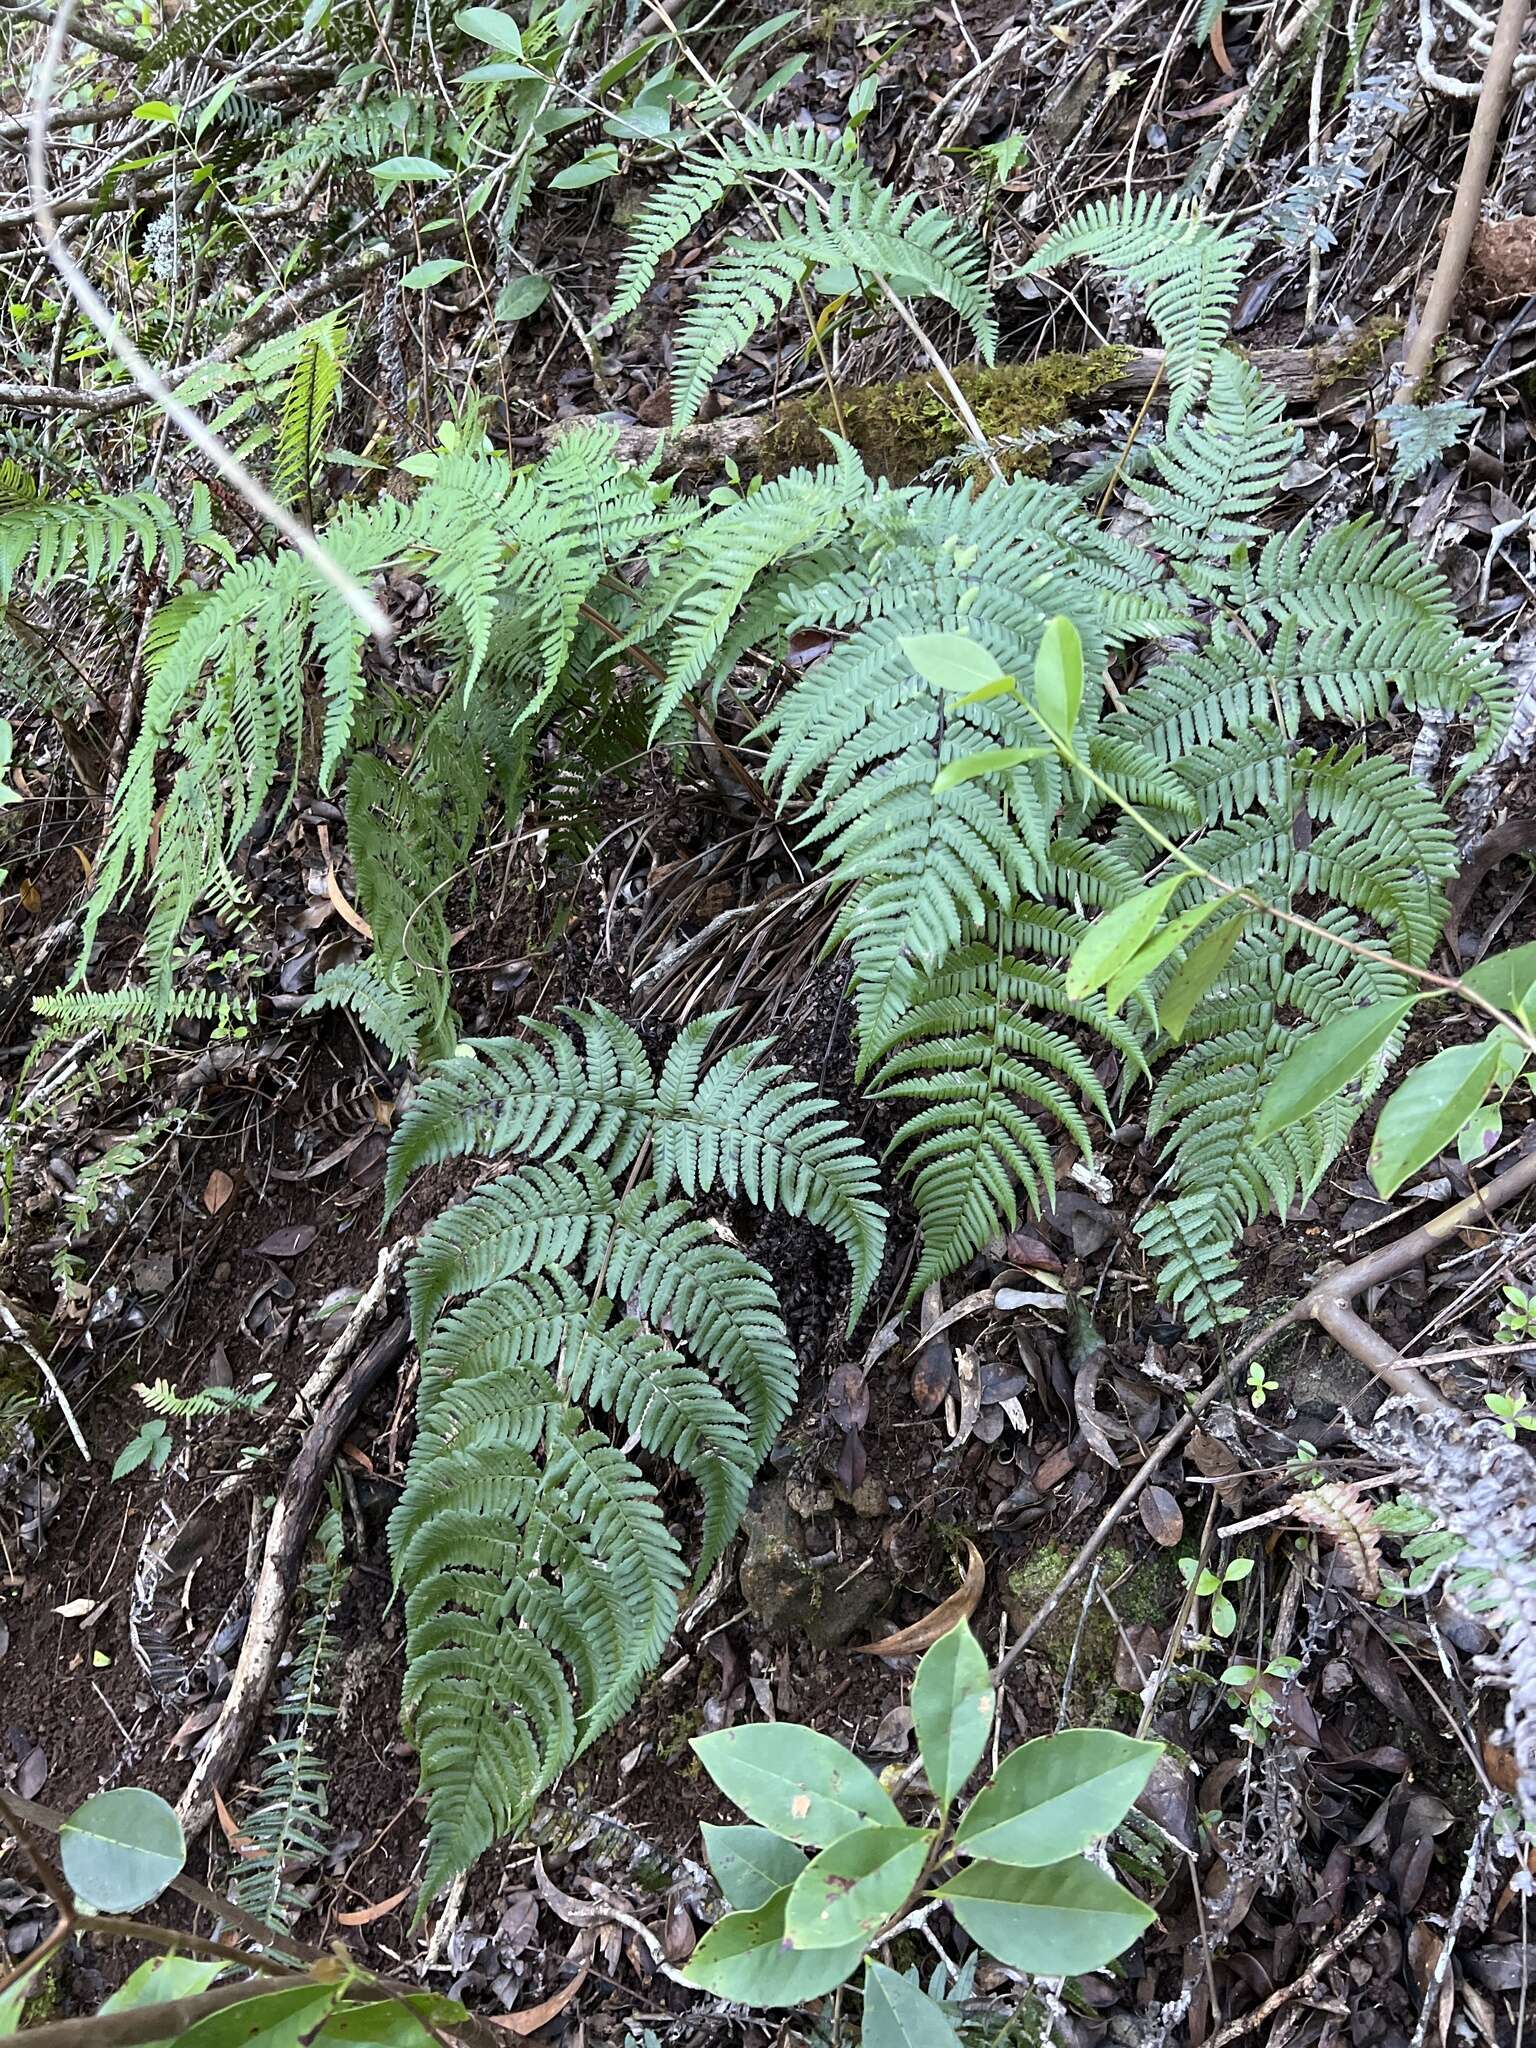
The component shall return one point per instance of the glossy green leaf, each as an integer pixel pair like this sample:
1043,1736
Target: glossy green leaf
751,1864
1326,1061
952,1707
898,2014
503,71
1427,1112
490,25
1507,979
787,71
154,110
162,1978
952,662
850,1889
521,296
394,2022
289,2018
801,1785
1059,676
600,162
1050,1798
1156,950
744,1957
763,33
1056,1922
407,170
432,271
1115,937
988,761
1197,975
121,1849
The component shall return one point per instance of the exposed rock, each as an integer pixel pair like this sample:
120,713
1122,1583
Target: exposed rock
787,1594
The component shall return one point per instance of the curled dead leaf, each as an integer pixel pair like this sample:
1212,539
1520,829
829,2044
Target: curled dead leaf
239,1842
533,2017
938,1621
364,1916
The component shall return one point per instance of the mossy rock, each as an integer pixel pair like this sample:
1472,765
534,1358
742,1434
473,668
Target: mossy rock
901,429
1143,1590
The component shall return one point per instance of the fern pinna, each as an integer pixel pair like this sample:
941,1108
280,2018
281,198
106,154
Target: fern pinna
961,891
541,1580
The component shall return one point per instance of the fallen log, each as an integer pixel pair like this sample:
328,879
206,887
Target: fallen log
1304,375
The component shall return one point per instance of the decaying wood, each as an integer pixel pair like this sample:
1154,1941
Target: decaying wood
1303,374
272,1601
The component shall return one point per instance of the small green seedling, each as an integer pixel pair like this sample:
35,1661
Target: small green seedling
1260,1385
1212,1586
1258,1693
1517,1319
827,1864
152,1446
1513,1411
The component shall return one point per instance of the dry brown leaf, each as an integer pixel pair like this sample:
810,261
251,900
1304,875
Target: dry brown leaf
1162,1517
344,909
923,1634
364,1916
1345,1517
239,1842
218,1191
1224,63
31,896
536,2016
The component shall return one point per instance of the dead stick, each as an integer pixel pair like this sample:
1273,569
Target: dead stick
1329,1304
1366,1917
1466,210
272,1601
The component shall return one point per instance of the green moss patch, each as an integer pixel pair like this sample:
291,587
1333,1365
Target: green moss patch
901,429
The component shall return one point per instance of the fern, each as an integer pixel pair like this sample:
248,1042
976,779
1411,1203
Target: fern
393,1014
1420,434
958,898
307,407
129,1014
1219,474
541,1580
269,665
750,1129
1188,269
992,1075
850,224
161,1398
287,1823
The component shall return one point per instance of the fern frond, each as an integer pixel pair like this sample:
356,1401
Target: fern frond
287,1824
307,406
529,1547
1219,473
752,1130
161,1398
1189,270
994,1080
395,1016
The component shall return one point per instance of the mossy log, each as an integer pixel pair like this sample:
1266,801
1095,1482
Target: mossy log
911,417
